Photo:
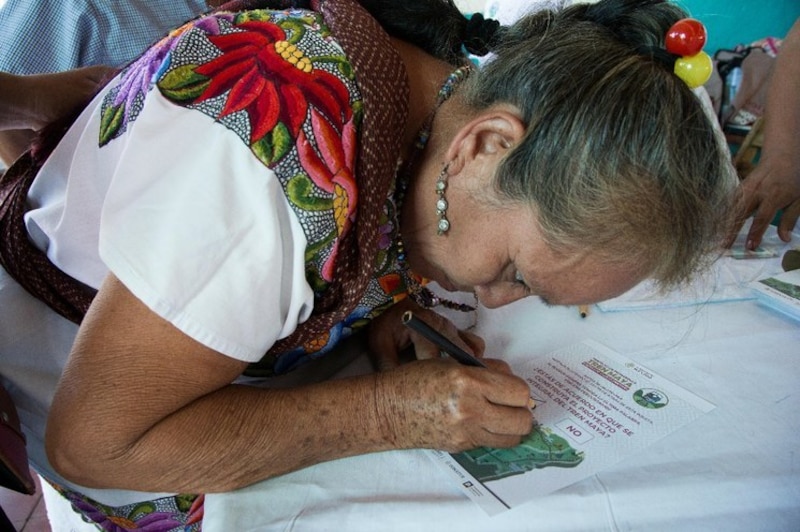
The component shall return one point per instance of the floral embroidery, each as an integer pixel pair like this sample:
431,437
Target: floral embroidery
279,82
384,289
290,360
393,285
127,98
331,170
267,75
180,513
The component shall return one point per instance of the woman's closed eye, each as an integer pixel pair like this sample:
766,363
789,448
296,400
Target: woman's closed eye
520,282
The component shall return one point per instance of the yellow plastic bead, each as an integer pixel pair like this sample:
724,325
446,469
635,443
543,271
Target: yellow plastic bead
694,70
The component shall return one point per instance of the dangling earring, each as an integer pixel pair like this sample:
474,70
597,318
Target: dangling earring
441,203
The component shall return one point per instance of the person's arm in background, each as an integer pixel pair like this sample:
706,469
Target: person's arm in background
775,182
28,103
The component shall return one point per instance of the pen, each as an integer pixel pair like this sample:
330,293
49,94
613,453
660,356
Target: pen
584,310
446,345
440,340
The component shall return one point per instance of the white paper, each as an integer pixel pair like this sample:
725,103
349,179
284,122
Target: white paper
594,408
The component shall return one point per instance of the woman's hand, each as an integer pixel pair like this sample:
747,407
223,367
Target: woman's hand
444,405
436,402
388,337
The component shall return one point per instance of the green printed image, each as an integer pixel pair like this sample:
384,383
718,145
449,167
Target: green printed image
649,398
791,290
541,448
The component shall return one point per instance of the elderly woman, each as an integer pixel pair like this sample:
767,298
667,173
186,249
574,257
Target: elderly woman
261,183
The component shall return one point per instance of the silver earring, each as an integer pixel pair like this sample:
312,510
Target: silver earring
441,203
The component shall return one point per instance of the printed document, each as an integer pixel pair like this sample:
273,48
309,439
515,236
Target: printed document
594,408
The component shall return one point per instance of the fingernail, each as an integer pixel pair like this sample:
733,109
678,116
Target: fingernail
751,245
531,403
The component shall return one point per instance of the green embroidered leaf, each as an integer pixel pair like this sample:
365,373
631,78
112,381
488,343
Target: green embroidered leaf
300,190
273,146
142,509
313,248
183,84
344,66
324,30
257,15
358,112
294,28
346,69
382,262
184,501
111,122
317,283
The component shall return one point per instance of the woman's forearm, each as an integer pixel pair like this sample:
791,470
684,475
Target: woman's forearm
239,435
782,113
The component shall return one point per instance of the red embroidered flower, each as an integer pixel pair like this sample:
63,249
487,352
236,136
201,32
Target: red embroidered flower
271,79
330,167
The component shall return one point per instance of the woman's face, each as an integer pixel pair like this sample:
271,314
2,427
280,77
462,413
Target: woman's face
498,253
494,247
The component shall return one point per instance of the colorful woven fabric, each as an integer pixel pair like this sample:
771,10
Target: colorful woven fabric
180,513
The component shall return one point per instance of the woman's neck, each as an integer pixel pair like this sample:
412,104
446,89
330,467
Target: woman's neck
425,77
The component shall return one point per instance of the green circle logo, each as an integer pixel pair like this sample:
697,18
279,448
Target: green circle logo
650,398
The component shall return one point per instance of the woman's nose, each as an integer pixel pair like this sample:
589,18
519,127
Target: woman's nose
499,294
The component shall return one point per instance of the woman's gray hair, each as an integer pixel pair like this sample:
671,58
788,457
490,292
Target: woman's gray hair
619,157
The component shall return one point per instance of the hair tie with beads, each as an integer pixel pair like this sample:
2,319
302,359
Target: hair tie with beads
684,53
480,34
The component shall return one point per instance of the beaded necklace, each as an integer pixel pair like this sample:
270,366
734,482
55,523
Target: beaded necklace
420,294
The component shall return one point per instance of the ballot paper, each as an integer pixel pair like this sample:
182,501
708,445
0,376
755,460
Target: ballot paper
594,408
780,292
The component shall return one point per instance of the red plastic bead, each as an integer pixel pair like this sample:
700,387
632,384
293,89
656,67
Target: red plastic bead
686,37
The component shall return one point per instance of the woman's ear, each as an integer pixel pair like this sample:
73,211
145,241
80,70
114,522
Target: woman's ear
485,138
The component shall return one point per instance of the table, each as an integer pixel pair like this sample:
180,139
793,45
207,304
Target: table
735,468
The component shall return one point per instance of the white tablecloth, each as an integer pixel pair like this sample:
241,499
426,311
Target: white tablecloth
735,468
